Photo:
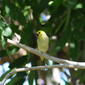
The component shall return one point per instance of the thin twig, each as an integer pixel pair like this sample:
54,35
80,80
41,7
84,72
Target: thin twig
47,67
3,19
13,71
37,68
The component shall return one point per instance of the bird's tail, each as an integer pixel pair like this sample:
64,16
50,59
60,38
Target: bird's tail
42,58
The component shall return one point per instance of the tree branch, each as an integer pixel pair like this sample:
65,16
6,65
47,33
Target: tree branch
7,76
39,53
37,68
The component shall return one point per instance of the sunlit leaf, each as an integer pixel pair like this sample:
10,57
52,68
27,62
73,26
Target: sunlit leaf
3,42
7,32
7,9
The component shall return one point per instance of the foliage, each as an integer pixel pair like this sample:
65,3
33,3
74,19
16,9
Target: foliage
62,19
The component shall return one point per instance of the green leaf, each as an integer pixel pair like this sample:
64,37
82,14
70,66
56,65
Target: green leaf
12,50
57,3
1,30
70,3
3,42
2,24
2,39
7,9
31,77
20,62
16,80
2,77
7,32
3,53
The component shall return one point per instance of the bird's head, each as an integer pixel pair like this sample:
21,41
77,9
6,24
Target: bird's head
40,34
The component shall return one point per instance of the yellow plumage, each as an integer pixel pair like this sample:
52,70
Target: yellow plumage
42,42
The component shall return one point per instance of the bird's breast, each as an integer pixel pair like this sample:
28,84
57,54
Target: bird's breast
43,44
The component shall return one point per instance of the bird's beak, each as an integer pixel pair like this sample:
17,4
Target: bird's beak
36,34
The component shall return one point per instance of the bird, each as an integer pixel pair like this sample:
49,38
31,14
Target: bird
42,42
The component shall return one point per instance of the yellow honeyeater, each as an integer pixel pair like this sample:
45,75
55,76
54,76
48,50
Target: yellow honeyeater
42,42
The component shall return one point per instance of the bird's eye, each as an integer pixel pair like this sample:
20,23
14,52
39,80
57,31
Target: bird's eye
39,32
